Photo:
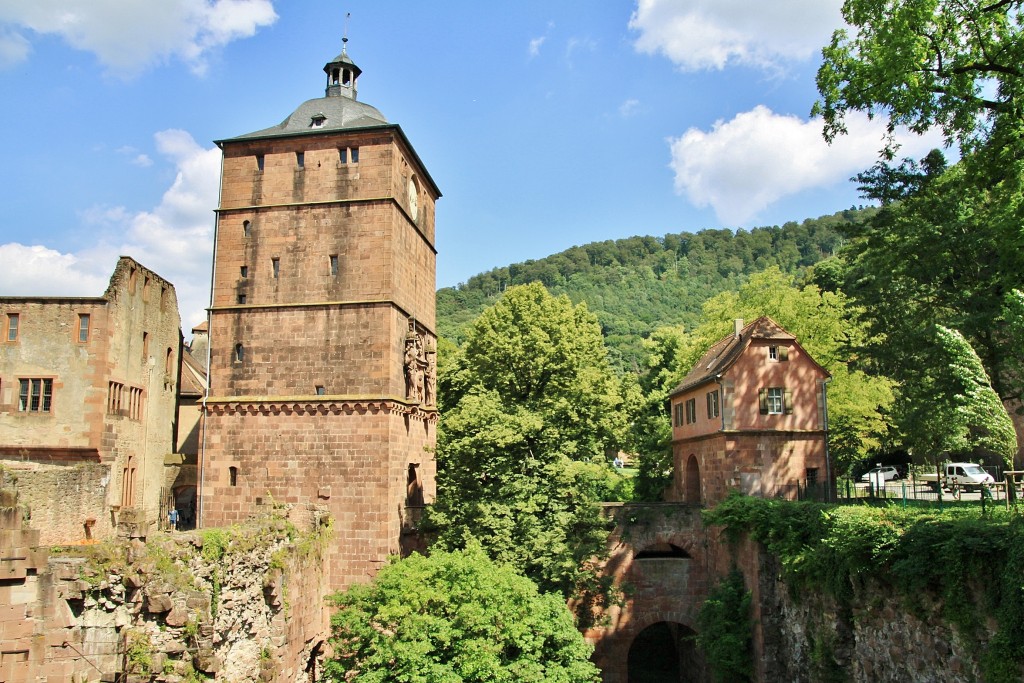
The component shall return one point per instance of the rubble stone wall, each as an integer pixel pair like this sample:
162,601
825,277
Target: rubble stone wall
239,604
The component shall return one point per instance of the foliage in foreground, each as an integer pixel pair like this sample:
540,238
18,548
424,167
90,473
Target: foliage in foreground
973,567
725,628
454,617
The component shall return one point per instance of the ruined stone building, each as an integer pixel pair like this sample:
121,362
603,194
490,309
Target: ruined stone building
87,404
750,415
322,333
182,467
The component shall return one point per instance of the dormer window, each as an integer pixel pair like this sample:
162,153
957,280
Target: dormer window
317,121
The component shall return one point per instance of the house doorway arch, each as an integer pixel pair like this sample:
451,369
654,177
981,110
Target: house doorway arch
665,652
691,493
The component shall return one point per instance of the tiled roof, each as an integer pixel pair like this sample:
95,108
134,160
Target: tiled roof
725,351
193,376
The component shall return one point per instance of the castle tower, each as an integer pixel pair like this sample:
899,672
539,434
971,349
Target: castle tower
322,333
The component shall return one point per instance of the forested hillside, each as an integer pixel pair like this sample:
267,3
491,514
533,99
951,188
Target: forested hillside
638,284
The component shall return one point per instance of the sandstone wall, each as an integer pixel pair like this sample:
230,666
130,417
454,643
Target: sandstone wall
65,503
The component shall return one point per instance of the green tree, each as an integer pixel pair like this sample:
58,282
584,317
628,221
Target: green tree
947,255
454,618
950,407
543,354
667,350
952,248
531,405
951,64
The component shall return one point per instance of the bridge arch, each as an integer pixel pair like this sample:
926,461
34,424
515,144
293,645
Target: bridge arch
664,652
659,560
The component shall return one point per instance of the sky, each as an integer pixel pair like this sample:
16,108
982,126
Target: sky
545,123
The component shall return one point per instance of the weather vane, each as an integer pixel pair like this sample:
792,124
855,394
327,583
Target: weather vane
344,37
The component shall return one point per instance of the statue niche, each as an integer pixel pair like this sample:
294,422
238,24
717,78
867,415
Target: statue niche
420,369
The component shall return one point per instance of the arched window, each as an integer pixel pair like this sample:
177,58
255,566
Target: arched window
239,352
246,229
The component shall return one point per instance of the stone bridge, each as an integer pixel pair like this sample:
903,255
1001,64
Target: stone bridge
664,562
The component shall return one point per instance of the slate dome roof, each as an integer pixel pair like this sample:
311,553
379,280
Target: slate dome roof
338,113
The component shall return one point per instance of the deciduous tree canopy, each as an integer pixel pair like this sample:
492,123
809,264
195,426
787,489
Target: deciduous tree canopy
531,405
454,618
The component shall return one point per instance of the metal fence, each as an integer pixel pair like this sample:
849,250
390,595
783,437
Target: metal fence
911,490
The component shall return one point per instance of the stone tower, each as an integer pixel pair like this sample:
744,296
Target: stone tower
322,330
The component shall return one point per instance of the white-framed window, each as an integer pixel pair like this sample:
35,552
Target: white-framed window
776,401
713,407
691,411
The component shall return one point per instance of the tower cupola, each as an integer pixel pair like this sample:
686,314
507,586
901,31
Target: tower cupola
342,74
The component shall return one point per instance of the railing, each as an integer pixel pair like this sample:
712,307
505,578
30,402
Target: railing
914,491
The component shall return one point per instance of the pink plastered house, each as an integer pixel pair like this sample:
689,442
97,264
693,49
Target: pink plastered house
751,415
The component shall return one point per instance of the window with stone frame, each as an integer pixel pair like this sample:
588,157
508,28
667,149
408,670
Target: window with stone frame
35,395
84,322
13,325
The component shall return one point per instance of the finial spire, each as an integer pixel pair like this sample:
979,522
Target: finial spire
344,38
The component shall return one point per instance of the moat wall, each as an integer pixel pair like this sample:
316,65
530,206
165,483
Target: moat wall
666,562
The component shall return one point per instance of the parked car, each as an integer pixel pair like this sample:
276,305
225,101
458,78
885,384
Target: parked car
885,473
968,475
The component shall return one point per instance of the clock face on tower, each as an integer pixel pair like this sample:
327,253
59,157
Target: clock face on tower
414,199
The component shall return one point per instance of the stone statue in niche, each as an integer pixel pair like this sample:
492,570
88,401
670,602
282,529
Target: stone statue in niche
430,389
419,369
411,363
420,366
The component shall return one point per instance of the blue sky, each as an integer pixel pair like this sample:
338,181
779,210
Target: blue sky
545,124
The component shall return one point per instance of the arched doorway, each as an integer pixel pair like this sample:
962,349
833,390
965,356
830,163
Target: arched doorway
692,490
185,503
665,652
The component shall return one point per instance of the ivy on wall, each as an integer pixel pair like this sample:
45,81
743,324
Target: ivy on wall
724,630
971,566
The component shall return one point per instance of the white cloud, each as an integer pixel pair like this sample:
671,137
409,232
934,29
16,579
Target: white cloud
742,166
38,271
535,44
629,108
713,34
174,239
137,158
128,36
13,48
